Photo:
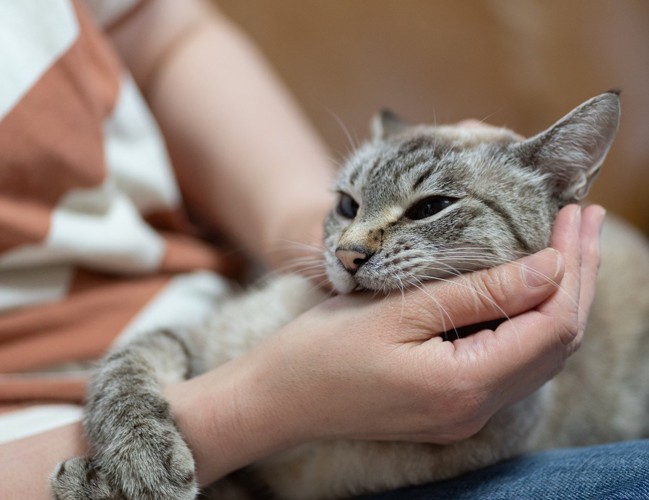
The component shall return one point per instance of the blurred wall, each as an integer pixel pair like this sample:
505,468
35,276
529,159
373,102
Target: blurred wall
518,63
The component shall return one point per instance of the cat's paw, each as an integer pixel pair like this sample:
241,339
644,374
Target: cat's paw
155,464
78,479
164,472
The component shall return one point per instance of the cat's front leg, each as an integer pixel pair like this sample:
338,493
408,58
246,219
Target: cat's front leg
137,451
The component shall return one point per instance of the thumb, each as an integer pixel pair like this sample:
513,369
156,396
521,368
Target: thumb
490,294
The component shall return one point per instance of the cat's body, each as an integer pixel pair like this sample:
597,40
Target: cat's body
417,203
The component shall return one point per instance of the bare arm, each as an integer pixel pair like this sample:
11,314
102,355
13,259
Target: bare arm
246,159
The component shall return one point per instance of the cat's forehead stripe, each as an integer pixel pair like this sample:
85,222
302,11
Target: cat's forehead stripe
423,176
397,167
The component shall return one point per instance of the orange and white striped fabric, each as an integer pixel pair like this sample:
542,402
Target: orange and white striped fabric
93,243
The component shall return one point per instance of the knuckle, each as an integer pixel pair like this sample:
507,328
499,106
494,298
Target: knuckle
569,330
569,340
491,288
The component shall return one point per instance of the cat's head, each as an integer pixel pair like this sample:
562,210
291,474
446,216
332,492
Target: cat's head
423,202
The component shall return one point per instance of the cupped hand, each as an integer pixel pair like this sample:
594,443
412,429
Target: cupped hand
361,367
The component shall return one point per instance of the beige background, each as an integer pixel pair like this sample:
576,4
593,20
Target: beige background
519,63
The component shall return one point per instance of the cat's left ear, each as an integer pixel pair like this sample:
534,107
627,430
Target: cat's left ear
573,149
386,124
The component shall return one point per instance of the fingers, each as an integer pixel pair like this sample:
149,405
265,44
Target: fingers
591,228
576,235
564,305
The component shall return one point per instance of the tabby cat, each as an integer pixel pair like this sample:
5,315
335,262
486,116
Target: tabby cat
415,203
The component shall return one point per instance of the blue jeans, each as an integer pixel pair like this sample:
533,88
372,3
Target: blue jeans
611,471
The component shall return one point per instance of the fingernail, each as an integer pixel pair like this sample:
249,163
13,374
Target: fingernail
541,268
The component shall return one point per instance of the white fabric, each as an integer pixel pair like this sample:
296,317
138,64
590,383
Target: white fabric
25,57
97,227
22,423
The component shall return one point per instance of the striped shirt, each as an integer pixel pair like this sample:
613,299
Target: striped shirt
94,243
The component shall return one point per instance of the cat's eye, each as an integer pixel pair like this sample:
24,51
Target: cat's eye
347,206
427,207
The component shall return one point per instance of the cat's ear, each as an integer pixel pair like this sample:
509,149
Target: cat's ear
386,124
573,149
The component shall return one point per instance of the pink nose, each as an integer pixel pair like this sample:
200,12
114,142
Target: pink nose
352,259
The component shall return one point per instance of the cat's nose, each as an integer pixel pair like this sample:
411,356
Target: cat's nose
352,260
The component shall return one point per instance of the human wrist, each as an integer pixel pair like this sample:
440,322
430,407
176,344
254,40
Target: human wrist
230,418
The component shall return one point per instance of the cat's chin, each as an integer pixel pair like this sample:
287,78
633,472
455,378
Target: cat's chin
344,283
346,286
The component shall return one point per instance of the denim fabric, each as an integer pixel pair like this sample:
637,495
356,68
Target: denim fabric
617,471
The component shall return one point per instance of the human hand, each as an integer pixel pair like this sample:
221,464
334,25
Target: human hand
357,367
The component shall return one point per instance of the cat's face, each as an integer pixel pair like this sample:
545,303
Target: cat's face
418,203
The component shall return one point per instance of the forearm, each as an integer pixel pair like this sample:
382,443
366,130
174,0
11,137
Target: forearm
26,464
225,420
235,415
246,158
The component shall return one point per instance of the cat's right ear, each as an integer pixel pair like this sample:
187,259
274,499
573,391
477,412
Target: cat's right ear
386,124
573,149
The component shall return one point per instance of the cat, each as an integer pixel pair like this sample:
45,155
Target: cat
415,203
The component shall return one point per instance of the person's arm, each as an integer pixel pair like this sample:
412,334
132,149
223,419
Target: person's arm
300,384
246,158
